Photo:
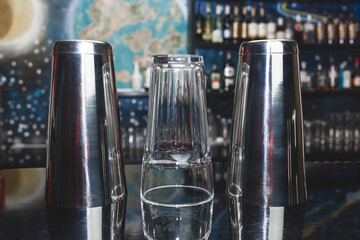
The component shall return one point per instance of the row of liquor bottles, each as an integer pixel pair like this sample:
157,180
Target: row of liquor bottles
222,79
338,133
232,27
331,75
327,75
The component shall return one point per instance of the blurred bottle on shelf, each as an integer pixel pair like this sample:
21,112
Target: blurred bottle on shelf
332,74
289,29
212,127
199,21
320,32
356,74
225,136
280,30
217,32
307,136
309,31
261,31
356,132
323,132
305,77
147,74
244,23
342,28
215,78
320,76
298,30
339,133
318,136
331,133
348,133
344,76
229,73
207,29
235,28
227,23
330,29
147,79
253,25
270,26
136,78
131,143
351,28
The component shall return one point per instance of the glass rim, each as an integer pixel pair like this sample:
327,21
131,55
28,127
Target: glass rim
177,58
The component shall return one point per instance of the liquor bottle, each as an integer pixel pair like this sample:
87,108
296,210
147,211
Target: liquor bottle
207,30
320,77
235,28
217,32
348,132
229,73
330,29
244,23
351,28
332,75
344,76
136,78
320,32
356,75
339,132
298,30
215,78
147,78
227,22
199,21
309,31
280,30
270,27
288,29
305,77
261,31
341,29
253,25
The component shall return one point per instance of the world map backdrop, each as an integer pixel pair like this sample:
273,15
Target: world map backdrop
136,29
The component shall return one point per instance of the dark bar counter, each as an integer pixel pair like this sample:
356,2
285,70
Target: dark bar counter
332,210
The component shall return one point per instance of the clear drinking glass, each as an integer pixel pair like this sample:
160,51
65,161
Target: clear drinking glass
177,183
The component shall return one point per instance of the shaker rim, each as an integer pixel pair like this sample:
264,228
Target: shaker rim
77,46
273,46
177,58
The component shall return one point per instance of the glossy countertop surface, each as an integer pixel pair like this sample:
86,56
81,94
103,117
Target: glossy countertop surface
332,210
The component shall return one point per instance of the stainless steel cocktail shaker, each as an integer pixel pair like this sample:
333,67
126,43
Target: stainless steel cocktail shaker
267,161
84,165
266,173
